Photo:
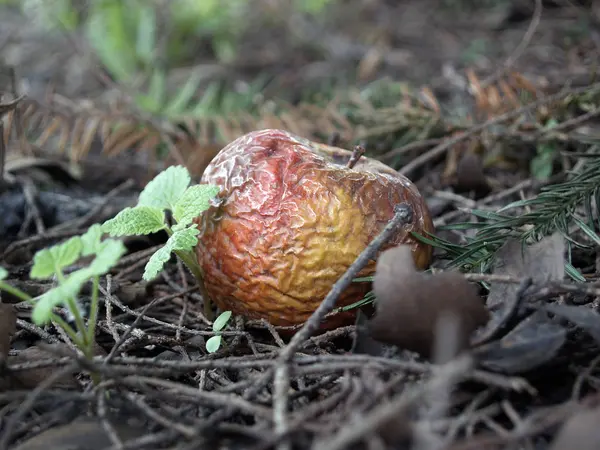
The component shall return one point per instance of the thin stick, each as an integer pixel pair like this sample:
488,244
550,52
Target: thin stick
518,52
403,215
446,375
440,149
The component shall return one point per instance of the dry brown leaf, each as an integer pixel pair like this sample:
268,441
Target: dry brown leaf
542,261
8,326
411,304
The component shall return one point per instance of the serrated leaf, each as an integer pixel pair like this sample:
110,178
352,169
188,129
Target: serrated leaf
69,288
221,321
90,240
156,262
107,257
166,188
185,239
194,201
3,273
135,221
213,344
50,261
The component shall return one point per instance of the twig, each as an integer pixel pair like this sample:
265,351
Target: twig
28,403
440,149
135,323
46,237
539,289
144,408
492,198
369,423
203,397
511,307
403,215
416,145
102,414
518,52
89,216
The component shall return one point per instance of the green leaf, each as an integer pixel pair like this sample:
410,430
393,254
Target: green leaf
111,39
107,257
146,33
3,273
153,100
574,273
156,263
221,321
166,188
193,202
185,239
184,96
210,98
587,230
70,287
52,260
136,221
91,240
213,344
541,166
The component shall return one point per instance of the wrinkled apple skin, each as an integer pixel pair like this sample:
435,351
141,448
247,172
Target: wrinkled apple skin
291,219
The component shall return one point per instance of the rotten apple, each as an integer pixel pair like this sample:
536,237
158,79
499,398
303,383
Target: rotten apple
291,217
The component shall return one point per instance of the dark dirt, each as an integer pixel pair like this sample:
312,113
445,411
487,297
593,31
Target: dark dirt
163,380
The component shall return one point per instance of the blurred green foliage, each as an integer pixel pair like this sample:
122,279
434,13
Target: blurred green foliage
143,39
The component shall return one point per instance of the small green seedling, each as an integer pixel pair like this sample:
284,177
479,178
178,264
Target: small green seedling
54,262
214,343
169,190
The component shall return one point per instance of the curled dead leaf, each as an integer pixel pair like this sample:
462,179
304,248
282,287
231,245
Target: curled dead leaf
410,304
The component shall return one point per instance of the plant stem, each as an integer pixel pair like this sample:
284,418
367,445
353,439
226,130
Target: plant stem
81,328
86,348
91,330
16,292
69,330
190,260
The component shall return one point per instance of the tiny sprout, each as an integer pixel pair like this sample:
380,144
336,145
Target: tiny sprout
169,190
214,343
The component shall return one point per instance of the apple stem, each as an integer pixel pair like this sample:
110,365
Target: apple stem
358,151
